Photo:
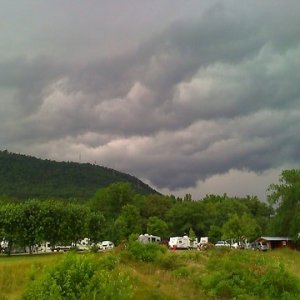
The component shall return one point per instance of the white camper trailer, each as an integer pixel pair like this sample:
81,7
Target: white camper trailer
180,243
203,244
148,238
45,247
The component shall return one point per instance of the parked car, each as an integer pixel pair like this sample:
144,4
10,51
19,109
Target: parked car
83,245
106,245
259,246
222,244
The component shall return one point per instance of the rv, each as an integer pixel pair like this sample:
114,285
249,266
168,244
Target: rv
45,247
180,243
148,238
203,244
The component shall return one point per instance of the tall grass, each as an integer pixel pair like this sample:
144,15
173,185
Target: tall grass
17,271
290,258
81,277
153,273
248,275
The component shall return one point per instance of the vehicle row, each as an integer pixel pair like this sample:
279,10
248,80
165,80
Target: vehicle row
174,243
186,243
259,246
46,247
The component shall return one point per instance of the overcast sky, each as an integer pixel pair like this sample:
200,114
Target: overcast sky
191,96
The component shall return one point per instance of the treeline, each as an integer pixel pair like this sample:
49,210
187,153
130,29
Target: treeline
24,177
32,222
117,211
165,216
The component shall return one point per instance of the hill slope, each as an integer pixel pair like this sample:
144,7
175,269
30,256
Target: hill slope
25,177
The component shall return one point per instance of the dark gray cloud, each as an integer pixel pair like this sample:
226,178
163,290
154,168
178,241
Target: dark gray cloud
195,95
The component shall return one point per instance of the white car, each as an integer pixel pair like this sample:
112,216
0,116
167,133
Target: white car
106,245
222,244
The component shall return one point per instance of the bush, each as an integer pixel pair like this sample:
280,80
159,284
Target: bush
80,277
145,252
245,274
169,261
109,262
182,272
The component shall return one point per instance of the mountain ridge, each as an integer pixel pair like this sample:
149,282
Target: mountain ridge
23,176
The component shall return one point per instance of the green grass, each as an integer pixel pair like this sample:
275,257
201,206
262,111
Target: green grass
17,271
290,258
173,275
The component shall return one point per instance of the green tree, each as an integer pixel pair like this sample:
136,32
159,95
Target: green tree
74,226
128,222
156,226
185,215
96,226
10,223
261,211
241,228
214,233
111,199
54,214
30,227
155,206
285,197
192,235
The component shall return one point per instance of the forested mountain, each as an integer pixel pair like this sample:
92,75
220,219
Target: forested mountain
24,177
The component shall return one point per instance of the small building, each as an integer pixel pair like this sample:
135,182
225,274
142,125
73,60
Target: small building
275,242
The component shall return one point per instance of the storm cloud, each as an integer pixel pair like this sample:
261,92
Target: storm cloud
174,93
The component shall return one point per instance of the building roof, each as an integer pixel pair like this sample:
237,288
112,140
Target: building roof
274,238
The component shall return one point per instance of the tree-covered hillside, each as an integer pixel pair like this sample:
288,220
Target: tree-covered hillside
26,177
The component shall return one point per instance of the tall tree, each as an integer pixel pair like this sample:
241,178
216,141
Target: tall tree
285,197
156,226
241,228
31,220
96,226
155,206
111,199
75,223
10,223
128,222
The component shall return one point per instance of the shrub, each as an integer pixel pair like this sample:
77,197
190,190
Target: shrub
245,274
79,277
182,272
145,252
169,261
109,262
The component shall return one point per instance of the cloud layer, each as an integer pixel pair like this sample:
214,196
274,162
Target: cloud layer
184,98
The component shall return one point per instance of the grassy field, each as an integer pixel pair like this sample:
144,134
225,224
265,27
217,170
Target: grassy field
17,271
174,275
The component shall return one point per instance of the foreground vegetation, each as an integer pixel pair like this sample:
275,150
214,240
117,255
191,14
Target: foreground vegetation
153,272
